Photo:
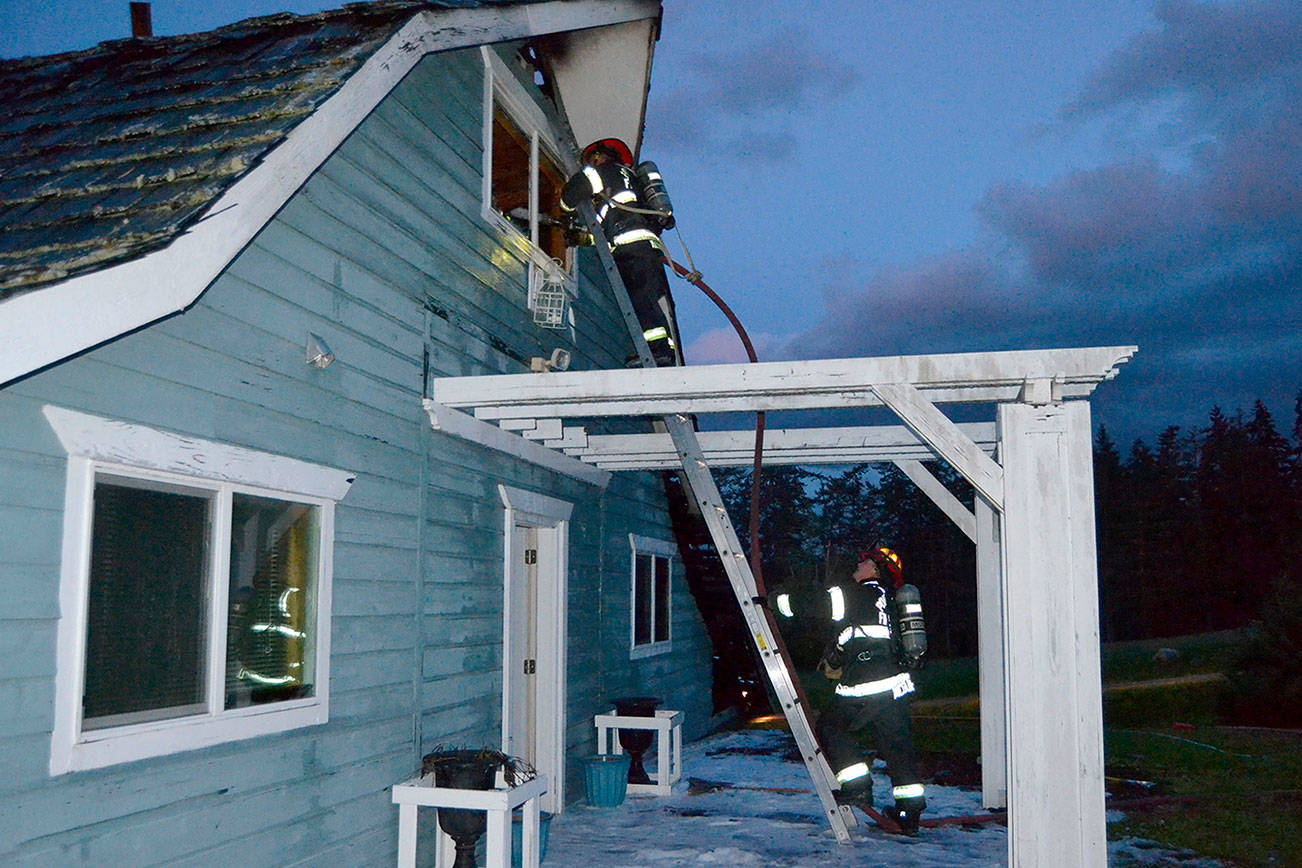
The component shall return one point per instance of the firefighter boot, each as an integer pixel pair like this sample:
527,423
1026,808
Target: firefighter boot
857,793
907,813
664,355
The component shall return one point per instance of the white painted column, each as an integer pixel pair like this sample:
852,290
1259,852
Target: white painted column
1054,690
990,656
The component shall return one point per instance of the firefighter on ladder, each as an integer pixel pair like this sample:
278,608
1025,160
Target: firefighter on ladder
632,208
879,633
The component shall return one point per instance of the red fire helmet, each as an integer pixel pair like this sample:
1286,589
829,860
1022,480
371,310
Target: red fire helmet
614,147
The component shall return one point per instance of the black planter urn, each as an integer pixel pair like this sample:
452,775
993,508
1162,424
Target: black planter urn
636,741
463,770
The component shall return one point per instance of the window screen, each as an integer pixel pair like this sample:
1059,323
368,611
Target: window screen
642,581
147,601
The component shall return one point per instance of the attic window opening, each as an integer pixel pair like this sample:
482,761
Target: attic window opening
518,159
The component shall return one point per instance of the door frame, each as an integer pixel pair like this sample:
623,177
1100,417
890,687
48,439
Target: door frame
550,517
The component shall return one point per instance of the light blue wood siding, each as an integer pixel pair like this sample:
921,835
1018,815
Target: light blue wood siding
383,254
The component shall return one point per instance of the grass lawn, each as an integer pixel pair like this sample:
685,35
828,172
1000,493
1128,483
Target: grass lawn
1227,792
1235,794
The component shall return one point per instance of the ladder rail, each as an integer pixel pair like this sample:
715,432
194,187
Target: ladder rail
701,487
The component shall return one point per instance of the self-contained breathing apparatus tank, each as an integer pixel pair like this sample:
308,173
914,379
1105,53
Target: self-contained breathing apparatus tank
913,630
654,194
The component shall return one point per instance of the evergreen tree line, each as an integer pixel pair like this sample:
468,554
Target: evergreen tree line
1195,532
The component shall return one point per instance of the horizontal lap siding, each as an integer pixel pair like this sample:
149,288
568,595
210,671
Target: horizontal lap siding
599,665
385,255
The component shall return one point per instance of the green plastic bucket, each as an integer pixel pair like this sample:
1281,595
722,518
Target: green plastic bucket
605,779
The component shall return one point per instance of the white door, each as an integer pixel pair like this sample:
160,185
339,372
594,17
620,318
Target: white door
522,733
534,591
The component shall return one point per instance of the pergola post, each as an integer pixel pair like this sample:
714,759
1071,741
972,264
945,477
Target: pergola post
990,656
1054,689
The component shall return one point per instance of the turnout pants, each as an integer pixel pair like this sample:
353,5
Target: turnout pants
884,720
643,274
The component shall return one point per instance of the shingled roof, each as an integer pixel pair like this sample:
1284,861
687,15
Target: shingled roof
110,153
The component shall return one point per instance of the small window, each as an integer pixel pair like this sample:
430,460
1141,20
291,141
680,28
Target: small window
274,587
149,610
652,574
196,609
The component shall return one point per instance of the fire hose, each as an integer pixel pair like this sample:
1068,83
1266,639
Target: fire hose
694,277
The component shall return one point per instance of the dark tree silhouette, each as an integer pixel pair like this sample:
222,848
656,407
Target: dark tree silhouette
1192,533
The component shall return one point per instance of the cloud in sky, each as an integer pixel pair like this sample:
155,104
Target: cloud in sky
721,346
1198,262
1203,49
728,91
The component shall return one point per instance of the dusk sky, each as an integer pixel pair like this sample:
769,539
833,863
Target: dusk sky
894,177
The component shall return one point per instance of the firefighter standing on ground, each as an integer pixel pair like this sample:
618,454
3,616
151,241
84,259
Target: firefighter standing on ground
878,635
620,198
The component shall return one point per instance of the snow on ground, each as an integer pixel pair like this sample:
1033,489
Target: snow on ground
752,822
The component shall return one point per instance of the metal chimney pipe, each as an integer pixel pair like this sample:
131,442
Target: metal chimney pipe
142,26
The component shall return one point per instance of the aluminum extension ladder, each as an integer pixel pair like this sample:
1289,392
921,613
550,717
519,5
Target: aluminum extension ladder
702,488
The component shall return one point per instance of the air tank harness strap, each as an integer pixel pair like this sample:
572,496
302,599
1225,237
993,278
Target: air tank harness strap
622,206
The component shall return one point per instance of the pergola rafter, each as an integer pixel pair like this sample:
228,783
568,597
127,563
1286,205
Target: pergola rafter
1033,521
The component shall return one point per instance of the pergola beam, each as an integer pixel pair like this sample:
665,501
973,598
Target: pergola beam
466,427
769,386
854,445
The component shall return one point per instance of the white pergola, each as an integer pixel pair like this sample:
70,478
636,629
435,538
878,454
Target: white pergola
1033,521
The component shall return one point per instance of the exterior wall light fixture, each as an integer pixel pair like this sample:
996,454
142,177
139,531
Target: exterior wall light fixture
318,352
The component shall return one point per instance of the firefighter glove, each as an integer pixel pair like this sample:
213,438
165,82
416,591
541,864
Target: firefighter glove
828,671
831,663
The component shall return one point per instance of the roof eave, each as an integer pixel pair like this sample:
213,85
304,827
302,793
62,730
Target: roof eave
41,328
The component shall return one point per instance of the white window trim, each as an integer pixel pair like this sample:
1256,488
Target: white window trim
501,86
98,445
656,547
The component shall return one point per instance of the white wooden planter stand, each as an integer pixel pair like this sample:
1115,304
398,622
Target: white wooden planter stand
420,792
668,725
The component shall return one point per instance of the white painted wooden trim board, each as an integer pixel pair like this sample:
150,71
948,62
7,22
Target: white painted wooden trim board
141,446
953,378
458,424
